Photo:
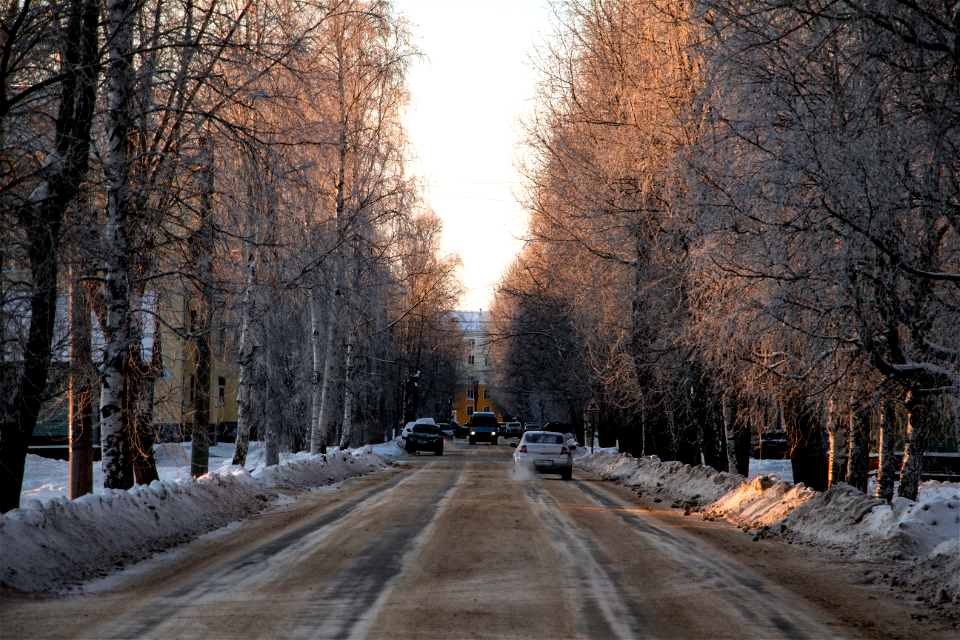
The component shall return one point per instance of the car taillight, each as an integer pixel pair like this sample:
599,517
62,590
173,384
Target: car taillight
522,449
564,451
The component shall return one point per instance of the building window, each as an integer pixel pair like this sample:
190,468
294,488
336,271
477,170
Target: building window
486,408
469,410
470,359
470,395
486,395
221,390
472,344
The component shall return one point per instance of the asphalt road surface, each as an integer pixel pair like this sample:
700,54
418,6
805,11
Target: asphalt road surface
456,547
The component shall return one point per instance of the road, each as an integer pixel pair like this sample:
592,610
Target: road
454,547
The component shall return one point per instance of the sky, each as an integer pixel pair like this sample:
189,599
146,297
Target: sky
468,94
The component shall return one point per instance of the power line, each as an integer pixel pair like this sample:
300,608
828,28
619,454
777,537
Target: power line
450,195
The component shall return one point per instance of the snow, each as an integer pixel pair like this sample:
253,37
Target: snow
841,520
53,543
390,449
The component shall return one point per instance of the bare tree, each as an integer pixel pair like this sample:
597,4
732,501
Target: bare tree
48,55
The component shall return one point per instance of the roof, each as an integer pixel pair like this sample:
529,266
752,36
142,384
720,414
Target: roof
473,321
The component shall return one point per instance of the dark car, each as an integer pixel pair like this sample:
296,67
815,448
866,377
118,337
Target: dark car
773,445
460,430
559,427
512,429
484,427
446,428
425,437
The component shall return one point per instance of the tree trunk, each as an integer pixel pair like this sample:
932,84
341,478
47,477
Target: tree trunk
348,396
887,469
120,16
837,435
81,390
918,425
808,457
138,403
743,446
202,249
42,220
245,361
200,451
858,463
144,463
728,427
316,382
326,393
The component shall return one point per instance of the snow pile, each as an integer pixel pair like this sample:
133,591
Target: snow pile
302,470
852,523
842,518
935,577
59,542
760,502
392,449
678,481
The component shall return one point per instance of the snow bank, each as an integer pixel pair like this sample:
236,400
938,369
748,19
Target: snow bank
697,485
841,519
390,449
59,542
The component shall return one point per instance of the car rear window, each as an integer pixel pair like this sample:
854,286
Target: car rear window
426,428
543,438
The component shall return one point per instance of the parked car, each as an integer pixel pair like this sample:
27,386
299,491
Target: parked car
409,425
484,427
425,437
773,445
460,430
446,428
543,452
512,430
559,427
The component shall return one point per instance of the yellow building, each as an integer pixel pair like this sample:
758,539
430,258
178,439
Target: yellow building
175,391
474,391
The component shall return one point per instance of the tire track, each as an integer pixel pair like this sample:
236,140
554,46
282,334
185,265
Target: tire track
351,601
601,610
765,609
247,571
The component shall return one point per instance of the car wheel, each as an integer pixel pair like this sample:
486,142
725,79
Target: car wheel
566,475
438,451
495,441
472,441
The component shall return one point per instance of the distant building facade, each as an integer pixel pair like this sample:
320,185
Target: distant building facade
474,391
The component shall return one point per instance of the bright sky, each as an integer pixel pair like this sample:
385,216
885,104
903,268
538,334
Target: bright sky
467,99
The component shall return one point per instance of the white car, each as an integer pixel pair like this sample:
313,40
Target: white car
545,452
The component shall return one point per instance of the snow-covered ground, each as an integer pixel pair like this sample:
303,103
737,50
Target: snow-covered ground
924,536
52,542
